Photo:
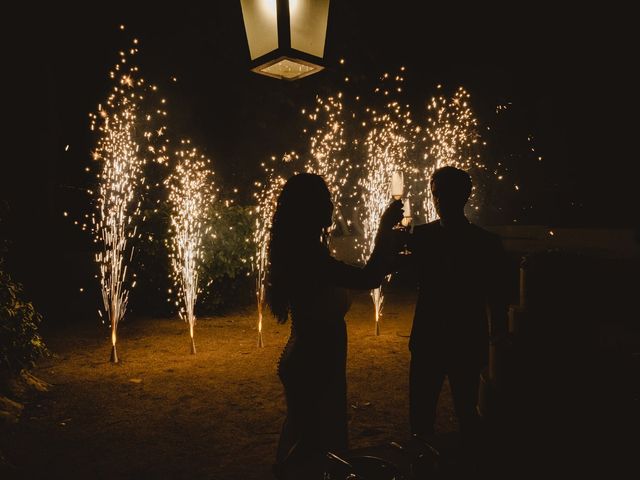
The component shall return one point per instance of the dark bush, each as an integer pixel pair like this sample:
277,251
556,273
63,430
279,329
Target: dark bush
20,341
226,276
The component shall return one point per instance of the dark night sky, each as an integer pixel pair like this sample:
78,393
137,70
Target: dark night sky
561,69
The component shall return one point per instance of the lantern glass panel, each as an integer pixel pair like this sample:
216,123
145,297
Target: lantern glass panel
261,25
308,20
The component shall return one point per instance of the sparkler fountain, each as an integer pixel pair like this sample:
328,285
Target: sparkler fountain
190,196
452,139
327,158
120,175
327,147
266,197
387,146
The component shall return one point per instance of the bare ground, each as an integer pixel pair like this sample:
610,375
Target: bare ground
163,413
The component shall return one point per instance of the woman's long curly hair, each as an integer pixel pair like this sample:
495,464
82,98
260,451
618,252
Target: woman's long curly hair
302,217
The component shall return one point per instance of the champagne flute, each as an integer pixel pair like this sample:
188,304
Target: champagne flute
397,189
397,184
406,211
406,221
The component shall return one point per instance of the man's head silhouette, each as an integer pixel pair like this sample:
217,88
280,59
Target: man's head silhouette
451,188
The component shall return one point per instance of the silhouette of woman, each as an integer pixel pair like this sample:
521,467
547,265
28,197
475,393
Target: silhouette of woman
307,283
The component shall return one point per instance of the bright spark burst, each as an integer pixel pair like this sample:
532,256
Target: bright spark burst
327,148
120,175
190,196
451,139
126,140
387,144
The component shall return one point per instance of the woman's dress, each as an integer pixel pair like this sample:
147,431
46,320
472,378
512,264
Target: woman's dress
312,366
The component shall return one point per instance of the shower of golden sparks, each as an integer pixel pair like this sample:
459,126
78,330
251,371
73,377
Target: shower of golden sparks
387,147
190,196
328,157
266,196
452,139
121,163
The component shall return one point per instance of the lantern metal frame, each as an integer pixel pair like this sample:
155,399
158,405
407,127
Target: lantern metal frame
284,51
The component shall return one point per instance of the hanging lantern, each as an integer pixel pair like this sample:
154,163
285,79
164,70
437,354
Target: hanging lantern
286,37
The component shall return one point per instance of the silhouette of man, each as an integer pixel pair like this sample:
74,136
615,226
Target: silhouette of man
460,270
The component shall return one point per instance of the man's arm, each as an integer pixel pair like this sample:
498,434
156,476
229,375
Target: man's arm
406,264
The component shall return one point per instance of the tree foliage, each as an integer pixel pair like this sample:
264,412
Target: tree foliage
20,341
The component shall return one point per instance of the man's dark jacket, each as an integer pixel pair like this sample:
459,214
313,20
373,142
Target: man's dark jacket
461,274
